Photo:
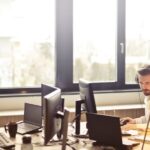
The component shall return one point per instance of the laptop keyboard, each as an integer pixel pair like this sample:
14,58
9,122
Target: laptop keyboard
26,126
5,142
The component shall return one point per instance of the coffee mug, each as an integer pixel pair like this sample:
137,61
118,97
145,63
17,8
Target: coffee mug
11,127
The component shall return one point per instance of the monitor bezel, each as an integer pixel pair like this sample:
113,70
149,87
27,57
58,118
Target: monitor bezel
87,94
52,121
46,89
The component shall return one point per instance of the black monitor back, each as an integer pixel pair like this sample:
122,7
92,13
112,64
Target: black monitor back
52,122
45,89
86,93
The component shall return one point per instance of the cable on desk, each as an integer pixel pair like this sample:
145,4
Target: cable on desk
72,143
76,117
73,148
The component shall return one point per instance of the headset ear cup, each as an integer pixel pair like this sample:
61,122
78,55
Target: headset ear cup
136,79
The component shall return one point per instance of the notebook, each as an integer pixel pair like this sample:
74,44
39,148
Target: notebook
32,119
106,131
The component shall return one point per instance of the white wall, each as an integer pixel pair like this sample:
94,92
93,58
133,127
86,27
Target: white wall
105,99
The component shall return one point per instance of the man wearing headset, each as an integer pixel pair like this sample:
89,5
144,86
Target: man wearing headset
143,79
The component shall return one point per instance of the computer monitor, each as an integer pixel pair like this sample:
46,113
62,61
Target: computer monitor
46,89
53,115
86,94
87,101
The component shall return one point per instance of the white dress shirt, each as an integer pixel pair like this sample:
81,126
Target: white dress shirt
144,119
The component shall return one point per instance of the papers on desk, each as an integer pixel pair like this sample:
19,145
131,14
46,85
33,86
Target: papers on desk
140,138
137,132
138,127
130,132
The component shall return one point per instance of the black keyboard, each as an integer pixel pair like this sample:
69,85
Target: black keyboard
5,141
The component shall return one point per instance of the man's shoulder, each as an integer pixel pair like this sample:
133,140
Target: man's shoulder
147,98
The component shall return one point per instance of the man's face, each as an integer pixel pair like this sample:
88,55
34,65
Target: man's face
144,82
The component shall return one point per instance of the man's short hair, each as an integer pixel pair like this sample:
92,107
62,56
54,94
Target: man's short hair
145,70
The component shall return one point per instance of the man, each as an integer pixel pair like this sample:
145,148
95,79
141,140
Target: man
143,79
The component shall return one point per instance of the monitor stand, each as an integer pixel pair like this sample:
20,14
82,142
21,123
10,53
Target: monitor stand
60,114
78,119
65,129
62,135
78,114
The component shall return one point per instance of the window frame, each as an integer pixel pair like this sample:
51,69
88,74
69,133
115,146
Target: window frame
64,53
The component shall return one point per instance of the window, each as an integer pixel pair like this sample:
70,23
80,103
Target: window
94,40
103,41
137,36
27,43
95,44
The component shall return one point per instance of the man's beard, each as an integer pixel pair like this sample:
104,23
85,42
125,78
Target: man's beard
146,92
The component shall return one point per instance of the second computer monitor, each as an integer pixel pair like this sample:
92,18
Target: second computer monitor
86,94
53,107
46,89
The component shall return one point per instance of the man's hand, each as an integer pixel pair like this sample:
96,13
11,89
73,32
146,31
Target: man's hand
124,121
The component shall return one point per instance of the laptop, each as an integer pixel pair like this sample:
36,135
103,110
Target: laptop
106,131
32,119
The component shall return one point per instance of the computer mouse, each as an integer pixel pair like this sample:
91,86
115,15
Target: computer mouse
123,122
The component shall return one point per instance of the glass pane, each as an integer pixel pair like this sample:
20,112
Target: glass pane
94,40
26,42
137,36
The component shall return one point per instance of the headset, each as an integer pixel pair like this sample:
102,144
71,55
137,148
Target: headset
145,70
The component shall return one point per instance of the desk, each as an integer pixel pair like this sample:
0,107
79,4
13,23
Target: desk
83,144
141,129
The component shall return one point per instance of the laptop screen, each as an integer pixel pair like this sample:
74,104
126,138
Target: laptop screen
33,114
104,129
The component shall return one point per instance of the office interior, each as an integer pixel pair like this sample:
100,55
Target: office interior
111,100
117,97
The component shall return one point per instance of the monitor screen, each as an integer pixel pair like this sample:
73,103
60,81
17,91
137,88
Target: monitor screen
45,89
86,94
52,121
